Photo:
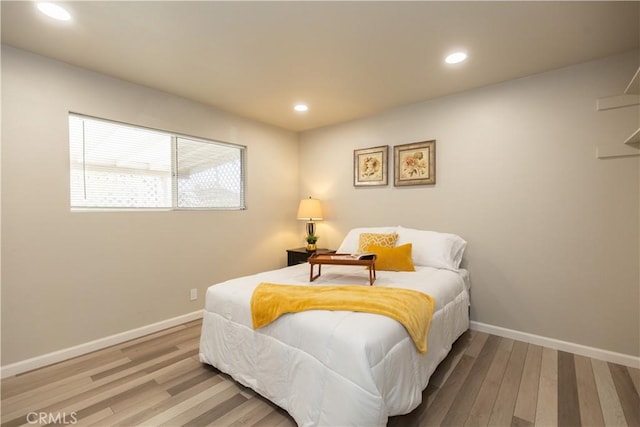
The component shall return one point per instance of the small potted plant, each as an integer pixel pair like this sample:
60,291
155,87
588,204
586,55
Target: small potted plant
311,242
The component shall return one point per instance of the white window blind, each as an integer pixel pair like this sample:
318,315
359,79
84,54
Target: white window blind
114,165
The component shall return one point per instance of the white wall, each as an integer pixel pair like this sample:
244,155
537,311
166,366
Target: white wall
70,278
552,231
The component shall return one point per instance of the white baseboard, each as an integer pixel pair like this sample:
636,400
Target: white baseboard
582,350
68,353
79,350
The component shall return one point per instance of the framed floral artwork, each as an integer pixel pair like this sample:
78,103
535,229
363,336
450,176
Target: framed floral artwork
370,166
415,164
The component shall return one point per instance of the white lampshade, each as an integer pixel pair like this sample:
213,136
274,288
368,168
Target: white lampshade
310,210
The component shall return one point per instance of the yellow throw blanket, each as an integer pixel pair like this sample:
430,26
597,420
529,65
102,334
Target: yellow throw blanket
411,308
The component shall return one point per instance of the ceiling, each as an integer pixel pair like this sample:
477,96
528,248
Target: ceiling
344,59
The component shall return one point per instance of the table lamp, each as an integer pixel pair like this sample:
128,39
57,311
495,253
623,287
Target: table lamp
310,210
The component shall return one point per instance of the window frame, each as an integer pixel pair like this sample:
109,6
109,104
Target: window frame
173,174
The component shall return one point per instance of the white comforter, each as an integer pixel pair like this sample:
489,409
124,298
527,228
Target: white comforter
333,368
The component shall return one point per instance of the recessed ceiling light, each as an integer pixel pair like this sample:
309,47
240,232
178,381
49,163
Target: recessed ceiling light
301,108
456,58
54,11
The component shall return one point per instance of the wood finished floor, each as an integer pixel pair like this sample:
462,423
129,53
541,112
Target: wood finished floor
158,380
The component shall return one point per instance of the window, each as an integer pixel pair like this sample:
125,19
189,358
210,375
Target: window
114,165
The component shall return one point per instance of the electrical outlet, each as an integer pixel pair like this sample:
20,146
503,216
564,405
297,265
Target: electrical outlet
193,295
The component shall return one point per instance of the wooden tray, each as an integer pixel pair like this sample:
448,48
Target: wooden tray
340,259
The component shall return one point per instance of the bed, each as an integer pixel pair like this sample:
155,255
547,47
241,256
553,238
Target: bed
341,368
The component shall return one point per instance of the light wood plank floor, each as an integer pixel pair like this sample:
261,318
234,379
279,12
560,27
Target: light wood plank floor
158,380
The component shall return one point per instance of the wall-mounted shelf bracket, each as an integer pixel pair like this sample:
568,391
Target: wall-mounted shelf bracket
631,97
633,88
634,139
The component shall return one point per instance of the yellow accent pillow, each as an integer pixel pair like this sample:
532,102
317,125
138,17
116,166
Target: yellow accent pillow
392,259
386,240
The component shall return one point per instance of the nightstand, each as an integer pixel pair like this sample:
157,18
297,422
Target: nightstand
300,255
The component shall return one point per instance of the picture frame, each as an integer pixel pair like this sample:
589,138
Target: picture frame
415,163
370,166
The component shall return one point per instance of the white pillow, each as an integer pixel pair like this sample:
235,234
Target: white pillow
350,243
433,249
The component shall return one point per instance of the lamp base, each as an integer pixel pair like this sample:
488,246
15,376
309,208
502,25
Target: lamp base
311,228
